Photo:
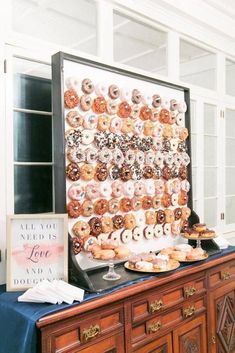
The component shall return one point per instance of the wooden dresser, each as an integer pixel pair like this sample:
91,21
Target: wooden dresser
188,311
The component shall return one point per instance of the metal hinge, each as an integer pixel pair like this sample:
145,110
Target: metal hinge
5,66
222,216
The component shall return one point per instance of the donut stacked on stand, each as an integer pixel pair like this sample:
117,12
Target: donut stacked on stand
199,230
126,164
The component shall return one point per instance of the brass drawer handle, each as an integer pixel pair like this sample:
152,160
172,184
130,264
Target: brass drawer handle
155,327
91,332
155,306
187,312
225,276
189,292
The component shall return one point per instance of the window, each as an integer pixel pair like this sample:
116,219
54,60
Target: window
230,77
32,132
197,65
139,45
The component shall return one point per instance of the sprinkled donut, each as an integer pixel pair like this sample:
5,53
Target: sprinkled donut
118,222
114,172
113,206
140,157
99,105
101,207
71,99
130,157
73,138
159,158
90,121
105,155
125,204
91,155
77,244
145,113
115,125
101,172
136,203
118,157
164,116
74,119
124,110
103,123
81,229
125,173
149,157
87,137
73,171
95,226
138,127
147,202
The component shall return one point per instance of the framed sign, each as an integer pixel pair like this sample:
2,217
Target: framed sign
37,249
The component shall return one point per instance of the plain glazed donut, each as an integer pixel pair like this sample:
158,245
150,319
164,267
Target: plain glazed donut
129,221
107,224
136,203
85,102
87,172
150,217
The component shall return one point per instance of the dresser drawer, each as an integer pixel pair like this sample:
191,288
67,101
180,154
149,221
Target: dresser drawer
166,298
222,274
165,322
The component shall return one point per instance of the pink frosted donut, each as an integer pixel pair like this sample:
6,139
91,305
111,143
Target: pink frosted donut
76,191
117,188
139,188
90,121
150,187
129,188
105,190
115,125
92,191
185,186
176,186
159,187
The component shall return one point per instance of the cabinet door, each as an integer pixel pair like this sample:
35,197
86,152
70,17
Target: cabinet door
162,345
221,319
191,337
113,344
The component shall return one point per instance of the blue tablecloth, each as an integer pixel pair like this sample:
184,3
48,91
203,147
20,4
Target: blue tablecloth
18,332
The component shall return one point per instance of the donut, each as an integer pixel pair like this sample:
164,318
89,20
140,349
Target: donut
112,107
85,102
137,172
156,202
138,127
140,157
115,125
185,186
186,212
174,199
127,126
159,187
99,105
73,83
87,172
158,230
73,171
124,110
136,96
90,155
115,237
175,228
148,172
145,113
167,131
121,251
157,144
166,200
101,207
87,208
117,188
101,89
74,209
208,233
136,203
161,217
150,217
92,191
139,188
149,157
113,92
74,119
129,189
95,226
113,206
156,101
105,155
184,226
199,227
183,198
174,145
179,119
125,94
76,191
71,99
105,190
148,128
107,224
182,107
87,137
103,123
114,172
177,213
159,158
150,187
77,244
147,202
137,234
118,222
129,221
87,86
149,232
166,173
75,155
173,105
168,187
125,173
164,116
167,229
73,138
182,146
103,237
105,255
101,172
185,159
183,135
176,186
191,233
134,112
125,204
81,229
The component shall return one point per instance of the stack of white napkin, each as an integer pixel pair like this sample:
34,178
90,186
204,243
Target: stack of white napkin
54,292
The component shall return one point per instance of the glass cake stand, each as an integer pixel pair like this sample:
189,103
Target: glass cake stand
111,275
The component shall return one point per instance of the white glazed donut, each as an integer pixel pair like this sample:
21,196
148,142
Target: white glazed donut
87,136
105,189
185,158
101,89
180,119
105,155
129,188
167,229
130,157
140,157
168,158
174,145
177,159
185,185
150,187
149,232
76,191
126,94
149,157
73,83
139,188
137,234
126,236
174,199
91,155
182,107
158,230
165,103
114,236
102,238
159,158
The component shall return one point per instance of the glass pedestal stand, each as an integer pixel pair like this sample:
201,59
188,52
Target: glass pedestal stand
111,275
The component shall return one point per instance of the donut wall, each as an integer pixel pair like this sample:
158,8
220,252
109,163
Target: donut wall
126,158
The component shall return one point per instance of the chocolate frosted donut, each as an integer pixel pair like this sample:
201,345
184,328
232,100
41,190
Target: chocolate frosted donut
160,216
148,172
147,202
114,91
185,226
71,99
101,172
164,116
118,222
125,173
136,96
113,205
183,172
156,101
73,171
124,110
125,204
85,102
77,245
74,209
99,105
177,213
95,226
146,113
114,172
87,86
74,119
101,206
166,173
